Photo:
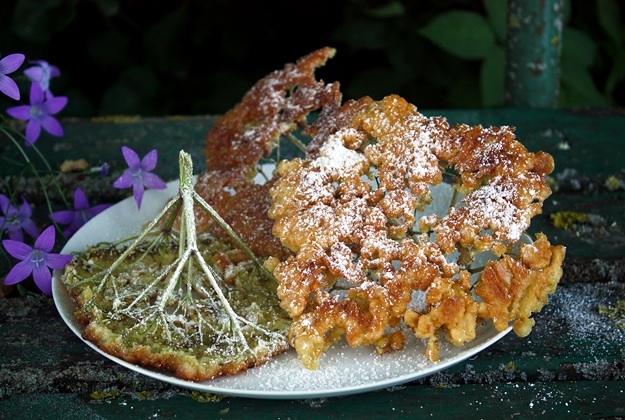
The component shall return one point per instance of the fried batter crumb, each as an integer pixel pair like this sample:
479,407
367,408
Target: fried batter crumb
348,213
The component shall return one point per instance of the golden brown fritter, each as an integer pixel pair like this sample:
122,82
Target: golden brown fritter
512,288
343,232
360,254
275,106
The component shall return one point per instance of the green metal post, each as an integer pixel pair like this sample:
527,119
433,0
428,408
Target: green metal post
533,48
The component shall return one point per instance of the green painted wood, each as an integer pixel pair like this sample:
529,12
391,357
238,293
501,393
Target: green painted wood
571,364
533,48
574,356
568,135
490,401
100,140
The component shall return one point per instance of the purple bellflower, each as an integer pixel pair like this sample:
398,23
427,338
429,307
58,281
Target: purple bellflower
17,219
39,114
9,64
139,175
81,214
41,73
36,260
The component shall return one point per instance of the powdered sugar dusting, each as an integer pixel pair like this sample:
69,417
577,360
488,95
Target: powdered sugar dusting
421,164
494,204
337,159
575,309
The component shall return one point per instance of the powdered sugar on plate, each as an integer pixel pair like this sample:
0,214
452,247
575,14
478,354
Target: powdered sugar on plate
344,370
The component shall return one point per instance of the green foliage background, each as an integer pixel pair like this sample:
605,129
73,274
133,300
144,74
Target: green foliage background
164,57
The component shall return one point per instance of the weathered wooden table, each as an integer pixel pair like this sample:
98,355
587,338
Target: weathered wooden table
573,363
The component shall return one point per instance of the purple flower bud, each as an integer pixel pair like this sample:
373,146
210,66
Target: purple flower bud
41,73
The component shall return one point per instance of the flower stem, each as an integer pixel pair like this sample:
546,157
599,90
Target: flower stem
187,194
28,161
297,142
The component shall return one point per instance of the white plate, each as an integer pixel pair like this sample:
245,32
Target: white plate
342,369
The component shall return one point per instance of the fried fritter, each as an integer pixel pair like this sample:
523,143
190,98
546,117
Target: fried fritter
189,333
347,212
274,107
342,229
512,288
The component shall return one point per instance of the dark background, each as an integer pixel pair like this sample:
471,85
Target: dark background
168,57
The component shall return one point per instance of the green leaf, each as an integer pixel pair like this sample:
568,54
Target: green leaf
107,7
492,75
463,93
368,83
39,21
578,55
578,49
566,11
109,49
363,34
617,73
608,13
497,12
579,89
79,105
131,93
165,44
393,9
463,34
